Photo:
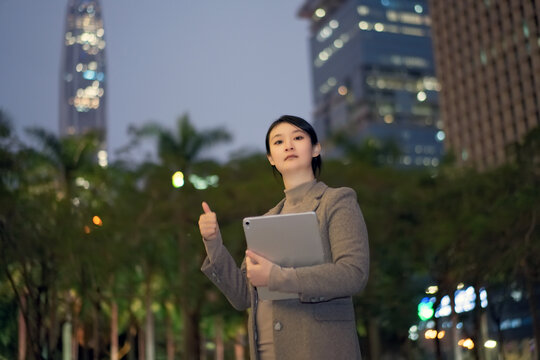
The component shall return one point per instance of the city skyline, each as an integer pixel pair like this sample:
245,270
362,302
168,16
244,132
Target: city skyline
235,65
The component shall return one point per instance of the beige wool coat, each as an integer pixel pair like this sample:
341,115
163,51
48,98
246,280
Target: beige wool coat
321,323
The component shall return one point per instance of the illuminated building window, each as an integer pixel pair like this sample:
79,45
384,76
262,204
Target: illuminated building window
411,18
407,18
330,50
327,31
407,30
320,13
362,10
331,81
364,25
392,15
392,29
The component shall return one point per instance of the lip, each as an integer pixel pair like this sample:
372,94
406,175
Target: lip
290,157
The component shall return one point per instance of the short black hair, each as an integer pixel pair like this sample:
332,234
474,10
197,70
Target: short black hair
316,162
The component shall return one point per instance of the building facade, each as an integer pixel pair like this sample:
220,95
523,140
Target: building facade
488,62
83,73
374,77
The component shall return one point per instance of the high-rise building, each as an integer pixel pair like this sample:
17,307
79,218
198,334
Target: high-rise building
373,75
83,74
488,62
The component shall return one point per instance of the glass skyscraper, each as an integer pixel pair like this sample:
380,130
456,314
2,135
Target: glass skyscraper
83,73
374,76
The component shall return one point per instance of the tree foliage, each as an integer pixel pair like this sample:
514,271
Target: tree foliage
59,264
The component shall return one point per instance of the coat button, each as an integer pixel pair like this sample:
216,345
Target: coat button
278,326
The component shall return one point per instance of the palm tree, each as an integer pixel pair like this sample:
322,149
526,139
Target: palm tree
50,227
68,155
179,150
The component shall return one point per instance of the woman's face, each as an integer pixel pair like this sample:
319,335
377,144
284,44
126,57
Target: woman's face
291,149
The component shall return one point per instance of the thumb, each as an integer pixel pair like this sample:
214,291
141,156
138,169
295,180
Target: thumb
253,256
206,208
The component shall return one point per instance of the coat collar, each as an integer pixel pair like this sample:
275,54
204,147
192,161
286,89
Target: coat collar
311,203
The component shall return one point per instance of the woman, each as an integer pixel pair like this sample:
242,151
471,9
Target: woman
320,324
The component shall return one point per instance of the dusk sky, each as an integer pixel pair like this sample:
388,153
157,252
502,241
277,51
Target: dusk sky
239,64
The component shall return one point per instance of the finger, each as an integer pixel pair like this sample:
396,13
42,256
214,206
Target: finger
206,208
253,256
207,220
208,231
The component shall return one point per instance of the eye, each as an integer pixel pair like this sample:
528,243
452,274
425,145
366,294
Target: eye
277,142
299,137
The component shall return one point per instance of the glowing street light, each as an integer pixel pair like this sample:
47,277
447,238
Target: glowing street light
178,179
466,343
97,221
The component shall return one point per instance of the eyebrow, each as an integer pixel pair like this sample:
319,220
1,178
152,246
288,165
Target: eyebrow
295,131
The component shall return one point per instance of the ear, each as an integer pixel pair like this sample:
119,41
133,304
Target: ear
269,157
316,150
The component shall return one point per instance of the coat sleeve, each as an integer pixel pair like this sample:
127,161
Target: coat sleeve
347,274
222,270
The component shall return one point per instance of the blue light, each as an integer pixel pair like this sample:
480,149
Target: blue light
444,308
385,2
440,135
464,300
100,76
483,298
89,75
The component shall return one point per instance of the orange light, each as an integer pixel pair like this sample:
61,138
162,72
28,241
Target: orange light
86,229
342,90
430,334
466,343
97,221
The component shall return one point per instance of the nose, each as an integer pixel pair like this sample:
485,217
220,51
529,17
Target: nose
289,145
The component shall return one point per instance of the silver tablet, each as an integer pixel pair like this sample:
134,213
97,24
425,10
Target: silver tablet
289,240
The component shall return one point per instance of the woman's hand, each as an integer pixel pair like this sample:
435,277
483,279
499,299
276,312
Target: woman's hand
258,269
208,224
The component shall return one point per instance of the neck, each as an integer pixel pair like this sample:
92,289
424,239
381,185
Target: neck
293,180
